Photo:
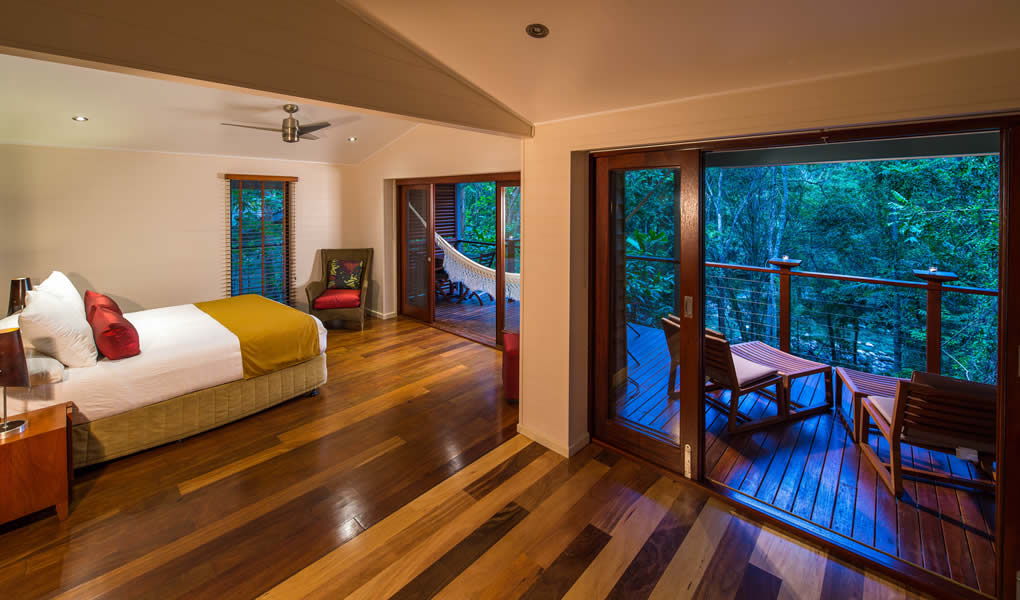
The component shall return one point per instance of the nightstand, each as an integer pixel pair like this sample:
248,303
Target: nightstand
35,464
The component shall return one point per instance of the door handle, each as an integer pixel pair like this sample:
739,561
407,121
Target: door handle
688,307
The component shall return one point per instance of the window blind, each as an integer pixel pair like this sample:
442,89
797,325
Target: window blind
260,236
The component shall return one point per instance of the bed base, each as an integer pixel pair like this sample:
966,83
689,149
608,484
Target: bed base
184,416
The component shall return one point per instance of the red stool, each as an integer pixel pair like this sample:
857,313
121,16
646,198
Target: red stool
511,365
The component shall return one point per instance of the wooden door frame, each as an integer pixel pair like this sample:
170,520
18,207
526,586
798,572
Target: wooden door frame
402,216
603,427
1007,500
501,180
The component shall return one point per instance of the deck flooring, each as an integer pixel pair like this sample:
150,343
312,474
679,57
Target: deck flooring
812,470
476,322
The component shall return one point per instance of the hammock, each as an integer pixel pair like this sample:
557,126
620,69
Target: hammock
474,276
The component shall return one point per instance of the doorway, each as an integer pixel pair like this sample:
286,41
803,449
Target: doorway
459,267
828,267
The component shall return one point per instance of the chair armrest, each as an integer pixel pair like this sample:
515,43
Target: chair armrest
314,290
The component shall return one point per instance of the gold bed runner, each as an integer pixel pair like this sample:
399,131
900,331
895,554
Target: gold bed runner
273,336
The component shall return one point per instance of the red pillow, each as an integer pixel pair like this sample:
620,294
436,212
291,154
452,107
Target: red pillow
94,299
115,336
336,298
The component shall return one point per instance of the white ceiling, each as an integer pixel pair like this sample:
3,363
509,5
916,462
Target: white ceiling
610,54
38,99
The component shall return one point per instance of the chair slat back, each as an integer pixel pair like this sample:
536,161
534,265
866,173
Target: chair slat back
671,328
961,412
718,361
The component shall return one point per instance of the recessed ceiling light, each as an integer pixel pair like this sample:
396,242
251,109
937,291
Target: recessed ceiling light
80,118
352,139
537,30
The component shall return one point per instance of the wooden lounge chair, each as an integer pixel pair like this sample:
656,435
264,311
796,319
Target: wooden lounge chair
725,371
789,367
936,413
723,377
861,385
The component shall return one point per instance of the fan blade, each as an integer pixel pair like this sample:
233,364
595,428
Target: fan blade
276,129
308,136
312,127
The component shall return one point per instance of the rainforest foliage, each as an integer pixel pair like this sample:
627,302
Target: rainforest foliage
880,219
478,222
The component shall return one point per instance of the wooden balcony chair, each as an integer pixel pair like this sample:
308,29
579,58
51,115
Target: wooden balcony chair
726,371
936,413
353,308
789,367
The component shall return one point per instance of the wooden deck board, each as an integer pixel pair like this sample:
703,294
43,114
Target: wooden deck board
812,469
476,322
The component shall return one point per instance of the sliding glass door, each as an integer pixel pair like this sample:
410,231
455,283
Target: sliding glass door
460,253
647,306
510,196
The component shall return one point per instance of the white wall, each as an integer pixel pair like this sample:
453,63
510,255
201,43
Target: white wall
147,228
369,218
554,396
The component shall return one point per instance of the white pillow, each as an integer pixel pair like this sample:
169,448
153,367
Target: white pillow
60,286
56,326
43,369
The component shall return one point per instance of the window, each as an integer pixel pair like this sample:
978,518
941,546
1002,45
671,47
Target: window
261,242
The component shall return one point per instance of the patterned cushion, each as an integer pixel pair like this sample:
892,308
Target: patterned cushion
345,274
338,299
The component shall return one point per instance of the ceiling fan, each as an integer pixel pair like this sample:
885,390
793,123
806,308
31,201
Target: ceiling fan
291,129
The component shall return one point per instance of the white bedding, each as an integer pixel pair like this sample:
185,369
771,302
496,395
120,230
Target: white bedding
183,350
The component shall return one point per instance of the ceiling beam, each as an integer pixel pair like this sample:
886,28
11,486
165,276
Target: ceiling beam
313,49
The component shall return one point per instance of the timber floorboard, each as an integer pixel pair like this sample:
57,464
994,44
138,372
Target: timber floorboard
812,470
403,477
471,320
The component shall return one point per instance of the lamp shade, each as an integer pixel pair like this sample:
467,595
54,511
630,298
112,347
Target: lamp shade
13,368
19,291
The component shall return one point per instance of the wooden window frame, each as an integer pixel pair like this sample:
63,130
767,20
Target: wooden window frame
288,231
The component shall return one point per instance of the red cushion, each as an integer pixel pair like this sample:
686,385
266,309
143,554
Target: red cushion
94,299
338,299
115,336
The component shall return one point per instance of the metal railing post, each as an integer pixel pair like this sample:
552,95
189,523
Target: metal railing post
785,264
933,331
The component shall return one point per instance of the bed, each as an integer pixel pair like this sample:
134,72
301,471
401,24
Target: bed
201,366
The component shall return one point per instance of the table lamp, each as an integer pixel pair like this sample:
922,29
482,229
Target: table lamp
19,292
13,373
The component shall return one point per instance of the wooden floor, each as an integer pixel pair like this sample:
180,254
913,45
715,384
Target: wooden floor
402,478
812,470
474,321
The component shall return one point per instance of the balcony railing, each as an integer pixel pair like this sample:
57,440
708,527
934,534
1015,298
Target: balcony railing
760,304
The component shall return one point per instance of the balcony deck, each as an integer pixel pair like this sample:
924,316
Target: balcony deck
475,322
812,469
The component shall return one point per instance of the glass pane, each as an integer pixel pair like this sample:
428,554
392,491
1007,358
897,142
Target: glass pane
512,256
416,281
644,292
466,284
258,239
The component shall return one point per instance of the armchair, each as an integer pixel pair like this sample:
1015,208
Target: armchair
353,308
